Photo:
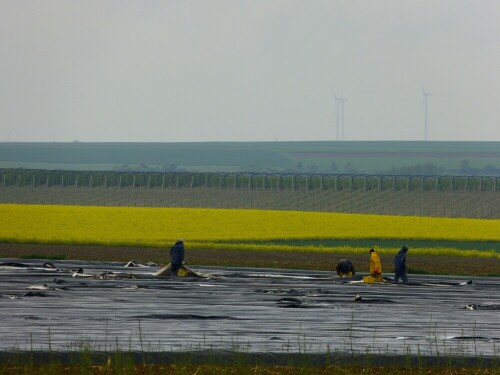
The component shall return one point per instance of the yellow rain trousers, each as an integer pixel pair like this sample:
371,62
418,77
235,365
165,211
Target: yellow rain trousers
375,265
375,269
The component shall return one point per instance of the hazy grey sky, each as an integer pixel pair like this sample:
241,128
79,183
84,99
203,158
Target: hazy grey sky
207,70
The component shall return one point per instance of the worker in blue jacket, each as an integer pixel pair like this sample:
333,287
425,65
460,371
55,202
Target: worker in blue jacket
400,265
177,255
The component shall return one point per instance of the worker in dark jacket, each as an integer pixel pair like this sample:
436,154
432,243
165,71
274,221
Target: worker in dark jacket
400,265
345,268
177,255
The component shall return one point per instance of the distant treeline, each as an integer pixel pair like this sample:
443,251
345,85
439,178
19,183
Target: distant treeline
426,169
385,157
431,169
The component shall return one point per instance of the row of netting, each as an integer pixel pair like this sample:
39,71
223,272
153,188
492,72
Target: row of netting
248,181
387,202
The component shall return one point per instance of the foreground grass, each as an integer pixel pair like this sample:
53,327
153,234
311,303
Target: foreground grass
230,369
86,361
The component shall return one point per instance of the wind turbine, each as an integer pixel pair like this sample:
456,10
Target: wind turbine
337,113
426,111
342,101
339,109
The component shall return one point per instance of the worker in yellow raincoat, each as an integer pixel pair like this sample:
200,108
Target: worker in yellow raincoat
375,268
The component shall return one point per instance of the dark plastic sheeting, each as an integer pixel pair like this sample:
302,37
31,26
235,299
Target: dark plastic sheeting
242,309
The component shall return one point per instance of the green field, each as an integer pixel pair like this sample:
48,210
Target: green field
473,158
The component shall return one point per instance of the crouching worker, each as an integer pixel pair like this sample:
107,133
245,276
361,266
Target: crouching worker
345,268
177,256
375,269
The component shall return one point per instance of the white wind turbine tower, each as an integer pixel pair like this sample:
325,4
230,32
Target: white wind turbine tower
337,113
339,109
342,101
426,112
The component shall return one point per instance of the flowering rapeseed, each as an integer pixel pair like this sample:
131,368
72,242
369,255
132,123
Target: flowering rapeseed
207,227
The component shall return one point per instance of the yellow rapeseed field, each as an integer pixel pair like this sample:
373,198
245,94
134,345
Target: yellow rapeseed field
132,226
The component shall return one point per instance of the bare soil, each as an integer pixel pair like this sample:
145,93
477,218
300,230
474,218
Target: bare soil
248,258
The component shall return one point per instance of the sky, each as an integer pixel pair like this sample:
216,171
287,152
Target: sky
248,70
